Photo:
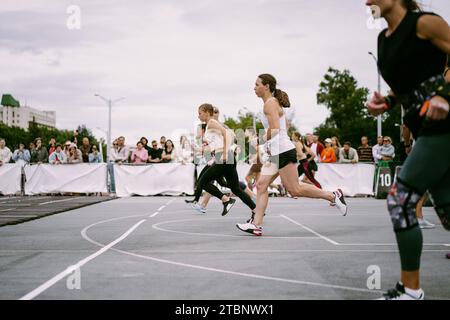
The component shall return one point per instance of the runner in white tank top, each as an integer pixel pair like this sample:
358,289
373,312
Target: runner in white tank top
282,159
280,143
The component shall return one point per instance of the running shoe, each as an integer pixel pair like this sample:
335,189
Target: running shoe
399,293
425,224
189,201
447,255
250,228
199,208
227,206
340,201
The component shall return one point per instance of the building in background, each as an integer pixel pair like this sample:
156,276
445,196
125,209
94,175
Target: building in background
14,115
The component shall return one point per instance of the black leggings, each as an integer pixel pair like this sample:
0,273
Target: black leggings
210,187
305,168
216,172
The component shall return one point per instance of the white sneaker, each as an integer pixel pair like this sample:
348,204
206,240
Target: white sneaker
250,228
339,201
402,293
425,224
199,208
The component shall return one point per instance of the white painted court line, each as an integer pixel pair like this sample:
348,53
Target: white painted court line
247,275
160,209
54,201
33,294
310,230
4,210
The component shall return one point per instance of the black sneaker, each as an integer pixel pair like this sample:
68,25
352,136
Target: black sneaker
227,206
189,201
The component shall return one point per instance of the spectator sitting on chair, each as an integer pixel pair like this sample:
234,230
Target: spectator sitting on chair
66,148
21,154
365,151
5,153
168,154
145,143
51,146
376,150
85,149
387,150
31,147
40,154
348,154
120,154
58,156
162,142
155,154
94,155
186,154
317,147
75,155
328,155
140,154
335,144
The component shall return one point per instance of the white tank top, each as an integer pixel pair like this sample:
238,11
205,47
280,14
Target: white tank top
280,142
214,139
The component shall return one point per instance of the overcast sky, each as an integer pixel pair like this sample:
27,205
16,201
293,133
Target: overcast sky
169,56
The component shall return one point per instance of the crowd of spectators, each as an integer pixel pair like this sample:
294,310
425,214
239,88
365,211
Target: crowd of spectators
330,151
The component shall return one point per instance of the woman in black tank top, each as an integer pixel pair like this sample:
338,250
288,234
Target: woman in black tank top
412,54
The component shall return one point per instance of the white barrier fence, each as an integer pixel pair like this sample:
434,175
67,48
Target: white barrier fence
10,178
353,179
80,178
167,179
149,180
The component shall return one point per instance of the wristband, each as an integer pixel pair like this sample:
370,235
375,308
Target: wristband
391,101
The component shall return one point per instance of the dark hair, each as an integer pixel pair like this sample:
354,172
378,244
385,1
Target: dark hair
140,143
347,143
208,108
154,141
56,146
165,145
144,138
411,5
281,96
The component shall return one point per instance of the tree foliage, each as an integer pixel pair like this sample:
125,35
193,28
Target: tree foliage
16,135
349,119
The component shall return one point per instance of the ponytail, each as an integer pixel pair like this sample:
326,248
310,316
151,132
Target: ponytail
282,97
412,5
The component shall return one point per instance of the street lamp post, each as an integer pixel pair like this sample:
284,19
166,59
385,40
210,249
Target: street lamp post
379,91
110,103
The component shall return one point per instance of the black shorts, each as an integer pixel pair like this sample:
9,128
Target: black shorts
283,159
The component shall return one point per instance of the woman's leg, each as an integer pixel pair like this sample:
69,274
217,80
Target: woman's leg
300,189
205,182
262,197
232,178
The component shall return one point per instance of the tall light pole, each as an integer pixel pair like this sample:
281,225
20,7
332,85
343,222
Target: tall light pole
110,103
379,91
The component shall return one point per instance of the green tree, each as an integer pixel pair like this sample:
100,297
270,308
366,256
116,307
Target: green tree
16,135
349,118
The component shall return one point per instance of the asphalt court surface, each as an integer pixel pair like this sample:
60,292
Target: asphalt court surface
158,248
